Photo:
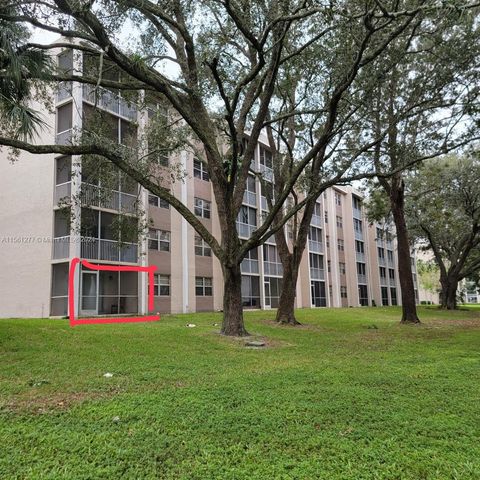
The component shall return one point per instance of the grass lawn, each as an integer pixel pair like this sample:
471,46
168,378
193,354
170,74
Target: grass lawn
350,395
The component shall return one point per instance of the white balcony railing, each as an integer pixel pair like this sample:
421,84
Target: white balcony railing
249,265
316,221
264,204
383,281
357,213
62,191
64,91
245,229
107,100
315,247
360,257
250,198
64,138
61,247
358,234
381,261
317,273
362,278
273,268
392,282
267,172
95,196
109,250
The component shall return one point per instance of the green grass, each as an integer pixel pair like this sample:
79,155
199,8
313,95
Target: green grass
350,395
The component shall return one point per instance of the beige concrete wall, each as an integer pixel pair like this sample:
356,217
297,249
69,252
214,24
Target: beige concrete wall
26,230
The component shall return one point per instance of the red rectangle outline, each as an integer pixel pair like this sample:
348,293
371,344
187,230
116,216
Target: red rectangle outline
112,268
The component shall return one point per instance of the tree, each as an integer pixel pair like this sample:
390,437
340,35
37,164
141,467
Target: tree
227,58
444,211
416,112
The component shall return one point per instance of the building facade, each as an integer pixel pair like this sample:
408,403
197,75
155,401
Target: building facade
55,209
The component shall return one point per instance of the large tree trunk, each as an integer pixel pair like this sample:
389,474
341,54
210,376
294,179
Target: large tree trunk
232,302
286,311
448,294
409,308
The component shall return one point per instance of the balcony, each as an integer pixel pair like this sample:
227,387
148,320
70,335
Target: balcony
64,91
383,281
273,268
95,196
317,273
250,198
109,250
357,213
249,265
109,101
62,191
391,282
267,172
382,262
264,204
360,257
358,234
361,278
315,247
316,221
61,248
64,138
245,230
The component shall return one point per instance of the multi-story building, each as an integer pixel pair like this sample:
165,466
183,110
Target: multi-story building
55,209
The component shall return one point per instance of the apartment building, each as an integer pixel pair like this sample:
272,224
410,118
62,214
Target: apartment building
347,262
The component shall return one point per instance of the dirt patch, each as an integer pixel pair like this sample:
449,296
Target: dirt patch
41,404
241,341
461,323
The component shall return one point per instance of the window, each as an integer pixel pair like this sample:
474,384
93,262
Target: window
202,248
246,221
158,240
202,207
161,285
381,253
250,291
359,246
393,295
64,118
390,256
383,272
315,234
391,274
338,199
317,210
272,264
316,261
361,268
326,216
329,266
363,295
379,233
266,158
63,170
339,222
327,241
357,203
341,245
342,268
158,202
357,225
343,291
200,170
318,293
203,286
384,295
